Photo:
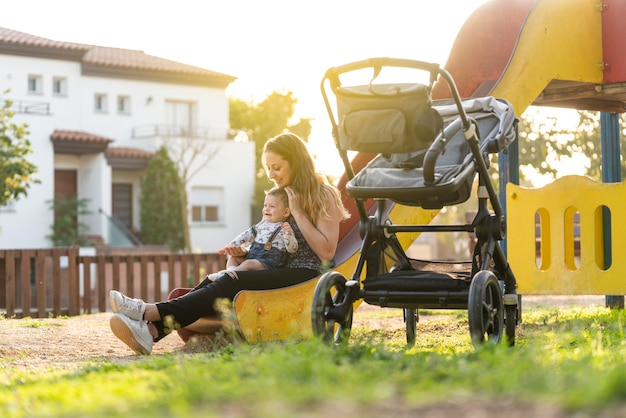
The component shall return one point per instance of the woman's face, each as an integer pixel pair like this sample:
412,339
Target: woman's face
278,169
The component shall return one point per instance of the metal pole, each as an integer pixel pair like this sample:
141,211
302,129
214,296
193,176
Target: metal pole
508,171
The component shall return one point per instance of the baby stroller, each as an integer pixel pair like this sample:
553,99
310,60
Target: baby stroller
425,155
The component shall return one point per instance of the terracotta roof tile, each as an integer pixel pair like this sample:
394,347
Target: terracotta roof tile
122,152
21,38
107,58
139,60
78,136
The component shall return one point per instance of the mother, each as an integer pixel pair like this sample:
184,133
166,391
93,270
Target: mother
316,209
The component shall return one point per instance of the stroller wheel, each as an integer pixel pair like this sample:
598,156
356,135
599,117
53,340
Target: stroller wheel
410,319
510,321
332,309
485,309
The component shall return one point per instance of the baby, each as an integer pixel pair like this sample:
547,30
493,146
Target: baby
270,241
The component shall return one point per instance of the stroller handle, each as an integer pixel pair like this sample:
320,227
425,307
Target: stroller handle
378,63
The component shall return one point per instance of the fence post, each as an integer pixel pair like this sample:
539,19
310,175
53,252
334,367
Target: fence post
143,266
184,271
10,282
101,283
196,268
25,273
157,277
171,272
130,275
72,281
116,272
56,281
86,284
42,287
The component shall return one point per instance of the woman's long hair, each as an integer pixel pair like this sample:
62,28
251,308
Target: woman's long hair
313,189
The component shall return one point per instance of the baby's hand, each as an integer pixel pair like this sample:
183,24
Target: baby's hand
286,228
233,251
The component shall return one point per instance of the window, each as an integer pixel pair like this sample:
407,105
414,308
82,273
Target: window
35,84
206,204
59,86
123,105
101,103
204,214
180,117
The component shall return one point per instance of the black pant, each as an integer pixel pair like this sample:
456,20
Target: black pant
200,301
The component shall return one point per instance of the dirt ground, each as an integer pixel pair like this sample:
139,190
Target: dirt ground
72,343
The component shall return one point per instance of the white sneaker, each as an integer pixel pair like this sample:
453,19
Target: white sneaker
214,276
132,308
134,334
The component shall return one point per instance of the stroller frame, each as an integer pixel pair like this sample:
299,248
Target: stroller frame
384,275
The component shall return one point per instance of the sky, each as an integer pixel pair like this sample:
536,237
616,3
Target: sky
269,45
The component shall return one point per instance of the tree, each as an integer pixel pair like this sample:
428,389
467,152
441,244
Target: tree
16,171
544,139
67,230
161,203
261,121
189,154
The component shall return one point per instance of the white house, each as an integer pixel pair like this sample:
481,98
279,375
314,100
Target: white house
96,115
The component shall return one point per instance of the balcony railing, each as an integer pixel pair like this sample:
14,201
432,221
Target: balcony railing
118,233
30,107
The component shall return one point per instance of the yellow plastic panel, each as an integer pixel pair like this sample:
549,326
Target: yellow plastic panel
274,315
560,275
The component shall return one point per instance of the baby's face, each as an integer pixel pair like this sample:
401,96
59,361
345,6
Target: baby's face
274,210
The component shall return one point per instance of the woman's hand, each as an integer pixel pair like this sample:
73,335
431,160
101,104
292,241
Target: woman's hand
294,201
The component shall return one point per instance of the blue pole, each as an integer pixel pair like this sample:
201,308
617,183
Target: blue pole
508,171
611,173
503,179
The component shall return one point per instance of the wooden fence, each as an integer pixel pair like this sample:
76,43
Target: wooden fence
52,282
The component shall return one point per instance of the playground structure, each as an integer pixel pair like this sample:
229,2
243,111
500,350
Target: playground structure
545,53
559,54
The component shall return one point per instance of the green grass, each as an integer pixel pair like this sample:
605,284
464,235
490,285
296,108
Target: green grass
569,357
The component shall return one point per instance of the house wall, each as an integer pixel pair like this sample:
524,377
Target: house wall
25,223
236,179
212,107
